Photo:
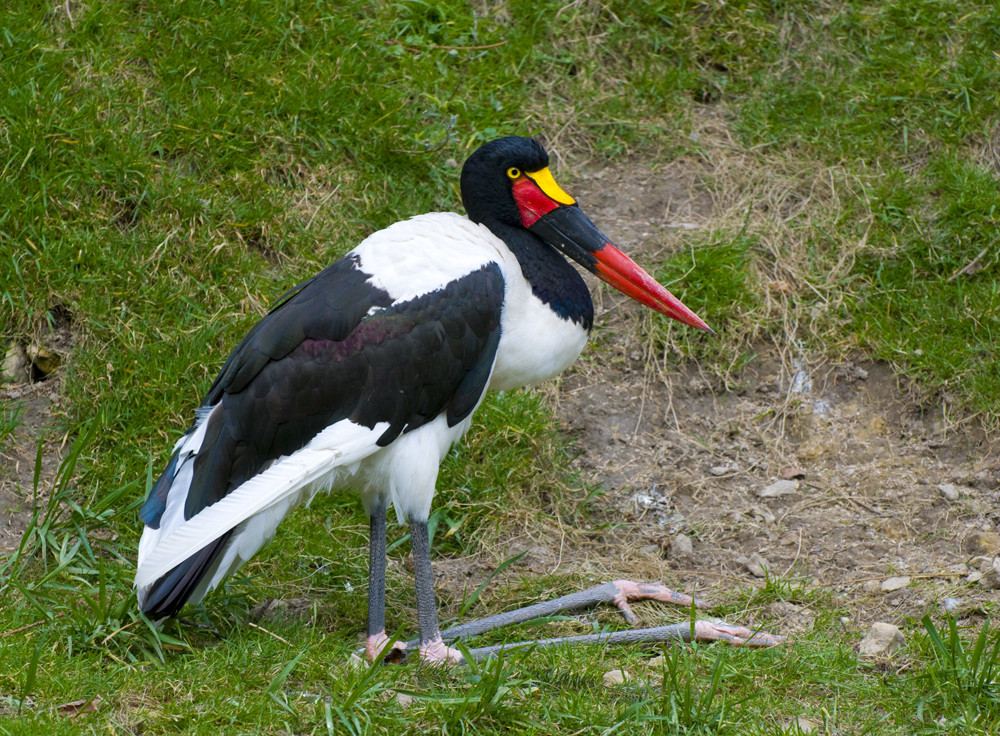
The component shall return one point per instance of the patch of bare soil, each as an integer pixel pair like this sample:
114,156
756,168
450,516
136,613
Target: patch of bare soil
875,486
37,399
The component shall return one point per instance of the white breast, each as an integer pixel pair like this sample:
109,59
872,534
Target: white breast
536,344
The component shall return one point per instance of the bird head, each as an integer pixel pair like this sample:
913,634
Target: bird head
507,181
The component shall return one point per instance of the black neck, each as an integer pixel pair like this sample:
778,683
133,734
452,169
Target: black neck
553,279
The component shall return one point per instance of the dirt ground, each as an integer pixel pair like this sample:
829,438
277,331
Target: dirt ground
891,506
875,486
40,407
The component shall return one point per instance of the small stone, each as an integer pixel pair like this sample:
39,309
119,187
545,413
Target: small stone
762,513
974,577
982,543
890,584
779,488
14,368
681,545
872,587
949,491
755,564
958,569
882,640
354,662
991,578
44,361
951,604
657,661
855,372
403,700
801,725
793,473
718,470
616,677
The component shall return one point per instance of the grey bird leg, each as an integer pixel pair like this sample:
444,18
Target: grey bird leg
377,639
699,630
620,593
430,644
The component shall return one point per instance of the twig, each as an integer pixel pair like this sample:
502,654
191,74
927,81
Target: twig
969,268
30,626
269,633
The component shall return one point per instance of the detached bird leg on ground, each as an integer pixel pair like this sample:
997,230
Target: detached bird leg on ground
364,376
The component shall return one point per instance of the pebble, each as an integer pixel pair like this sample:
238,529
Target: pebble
762,513
404,700
982,543
801,725
991,578
14,368
755,564
44,361
681,545
616,677
779,488
949,491
871,587
890,584
882,640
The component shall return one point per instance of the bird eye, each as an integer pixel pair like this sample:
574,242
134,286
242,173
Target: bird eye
513,172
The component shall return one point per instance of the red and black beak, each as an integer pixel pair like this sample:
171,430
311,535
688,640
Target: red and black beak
551,214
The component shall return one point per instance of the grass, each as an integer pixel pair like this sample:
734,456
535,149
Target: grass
169,169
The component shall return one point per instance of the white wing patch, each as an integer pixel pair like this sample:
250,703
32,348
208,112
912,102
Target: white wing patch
399,261
272,493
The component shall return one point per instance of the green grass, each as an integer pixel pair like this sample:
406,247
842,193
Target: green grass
169,169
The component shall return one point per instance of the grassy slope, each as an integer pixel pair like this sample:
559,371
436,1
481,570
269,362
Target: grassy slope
169,169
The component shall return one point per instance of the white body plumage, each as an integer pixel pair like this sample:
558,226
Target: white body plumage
406,260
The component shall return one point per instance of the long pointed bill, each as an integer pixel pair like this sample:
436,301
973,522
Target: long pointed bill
565,227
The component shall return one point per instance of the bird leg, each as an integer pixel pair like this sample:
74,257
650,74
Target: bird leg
430,644
687,631
377,638
620,593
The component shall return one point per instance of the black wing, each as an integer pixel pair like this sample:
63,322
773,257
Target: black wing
320,357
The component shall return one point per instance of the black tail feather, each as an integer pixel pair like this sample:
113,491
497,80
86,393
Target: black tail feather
169,593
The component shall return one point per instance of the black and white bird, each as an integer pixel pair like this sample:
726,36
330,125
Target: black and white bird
363,377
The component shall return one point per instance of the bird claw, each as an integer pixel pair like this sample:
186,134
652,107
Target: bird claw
379,645
737,636
632,591
436,652
703,630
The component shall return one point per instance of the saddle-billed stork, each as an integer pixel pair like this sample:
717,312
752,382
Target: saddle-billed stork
364,376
